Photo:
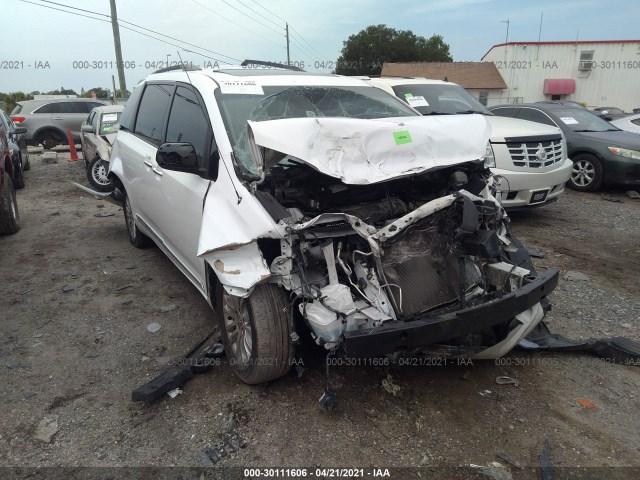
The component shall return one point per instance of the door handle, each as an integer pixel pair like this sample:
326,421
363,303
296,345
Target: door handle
148,163
156,171
57,118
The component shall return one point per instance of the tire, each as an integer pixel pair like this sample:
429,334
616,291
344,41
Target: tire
9,215
137,238
97,175
48,139
256,333
27,165
18,175
587,174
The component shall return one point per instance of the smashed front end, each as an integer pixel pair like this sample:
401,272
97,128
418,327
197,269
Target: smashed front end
392,258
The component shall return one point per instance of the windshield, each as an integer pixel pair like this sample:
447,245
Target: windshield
581,120
279,102
110,123
439,99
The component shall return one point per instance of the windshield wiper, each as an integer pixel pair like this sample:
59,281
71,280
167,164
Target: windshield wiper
590,131
438,113
470,111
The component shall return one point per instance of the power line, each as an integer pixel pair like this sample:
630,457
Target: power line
279,17
125,27
235,23
249,16
261,15
137,26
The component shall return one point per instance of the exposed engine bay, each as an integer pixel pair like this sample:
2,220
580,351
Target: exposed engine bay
356,257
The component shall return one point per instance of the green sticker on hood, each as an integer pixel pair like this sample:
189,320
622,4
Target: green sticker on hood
402,137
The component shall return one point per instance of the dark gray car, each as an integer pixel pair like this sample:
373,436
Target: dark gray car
17,149
47,121
601,153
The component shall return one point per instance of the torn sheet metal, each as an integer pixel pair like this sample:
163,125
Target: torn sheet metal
361,151
241,267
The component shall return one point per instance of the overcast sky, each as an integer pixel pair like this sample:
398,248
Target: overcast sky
63,43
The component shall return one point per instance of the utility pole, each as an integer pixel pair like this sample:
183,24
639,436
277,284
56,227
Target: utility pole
116,43
287,30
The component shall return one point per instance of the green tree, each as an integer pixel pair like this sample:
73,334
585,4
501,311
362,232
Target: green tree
366,51
99,91
11,99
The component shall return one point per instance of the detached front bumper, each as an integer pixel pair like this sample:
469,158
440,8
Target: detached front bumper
432,328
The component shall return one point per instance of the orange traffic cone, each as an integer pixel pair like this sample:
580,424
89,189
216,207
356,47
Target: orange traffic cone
72,147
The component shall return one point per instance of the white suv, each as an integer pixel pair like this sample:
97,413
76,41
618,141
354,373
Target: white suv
529,158
297,202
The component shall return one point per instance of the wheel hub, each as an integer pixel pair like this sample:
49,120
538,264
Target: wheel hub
583,173
100,174
238,327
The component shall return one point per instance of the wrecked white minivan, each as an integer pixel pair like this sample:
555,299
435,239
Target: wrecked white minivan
297,201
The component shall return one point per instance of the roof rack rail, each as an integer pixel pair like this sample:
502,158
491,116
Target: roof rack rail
185,67
271,64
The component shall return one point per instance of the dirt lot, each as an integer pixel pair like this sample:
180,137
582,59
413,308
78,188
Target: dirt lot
77,299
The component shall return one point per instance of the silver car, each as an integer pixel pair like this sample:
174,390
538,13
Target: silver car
97,134
628,124
47,121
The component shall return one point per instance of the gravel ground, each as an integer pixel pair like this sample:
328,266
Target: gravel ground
74,343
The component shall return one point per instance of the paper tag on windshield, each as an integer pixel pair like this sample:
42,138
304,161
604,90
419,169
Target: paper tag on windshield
243,87
110,117
569,120
417,101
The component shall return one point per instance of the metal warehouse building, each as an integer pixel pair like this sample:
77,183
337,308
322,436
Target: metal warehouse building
598,73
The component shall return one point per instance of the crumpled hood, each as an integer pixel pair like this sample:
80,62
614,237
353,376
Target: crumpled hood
361,151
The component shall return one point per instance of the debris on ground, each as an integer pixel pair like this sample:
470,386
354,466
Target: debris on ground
609,198
490,394
49,158
153,327
174,393
124,287
495,470
389,386
503,380
46,429
230,444
104,214
572,276
168,308
329,399
633,195
587,404
620,350
68,288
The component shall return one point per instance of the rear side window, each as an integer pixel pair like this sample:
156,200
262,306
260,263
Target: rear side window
128,117
534,116
188,123
16,110
504,111
153,112
636,121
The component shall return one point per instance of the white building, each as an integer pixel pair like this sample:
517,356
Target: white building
597,73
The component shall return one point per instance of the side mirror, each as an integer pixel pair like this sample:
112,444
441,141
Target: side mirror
87,129
180,157
20,130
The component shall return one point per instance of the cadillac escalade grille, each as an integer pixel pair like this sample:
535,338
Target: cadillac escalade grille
536,154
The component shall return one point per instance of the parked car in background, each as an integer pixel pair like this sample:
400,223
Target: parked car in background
609,113
47,121
9,216
636,110
629,123
97,134
318,203
531,159
17,149
601,152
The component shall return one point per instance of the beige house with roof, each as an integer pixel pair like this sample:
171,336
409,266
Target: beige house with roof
481,79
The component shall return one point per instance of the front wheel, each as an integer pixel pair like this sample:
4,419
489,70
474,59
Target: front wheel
256,333
9,216
18,175
97,175
587,174
137,238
